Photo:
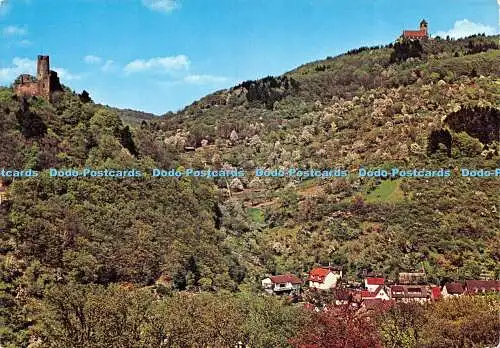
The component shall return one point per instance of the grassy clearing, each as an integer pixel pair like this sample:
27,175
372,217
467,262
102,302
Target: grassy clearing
388,191
256,215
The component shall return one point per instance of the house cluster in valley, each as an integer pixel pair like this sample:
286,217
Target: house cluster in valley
410,287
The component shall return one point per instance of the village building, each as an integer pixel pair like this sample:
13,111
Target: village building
378,293
421,34
43,85
324,278
413,287
282,284
372,283
481,286
452,289
412,278
346,296
410,293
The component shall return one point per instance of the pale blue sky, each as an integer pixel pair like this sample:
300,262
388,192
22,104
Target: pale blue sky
160,55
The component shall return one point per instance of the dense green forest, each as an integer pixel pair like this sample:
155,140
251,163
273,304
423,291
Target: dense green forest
177,262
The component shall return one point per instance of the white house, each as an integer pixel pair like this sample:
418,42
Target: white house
372,284
282,284
324,278
380,293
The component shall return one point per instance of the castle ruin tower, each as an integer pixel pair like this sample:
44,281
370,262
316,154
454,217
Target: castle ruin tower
424,27
43,85
43,76
43,68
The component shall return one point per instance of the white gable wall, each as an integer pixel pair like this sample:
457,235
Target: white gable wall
329,282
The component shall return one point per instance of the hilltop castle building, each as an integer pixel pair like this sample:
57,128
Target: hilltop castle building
423,33
43,85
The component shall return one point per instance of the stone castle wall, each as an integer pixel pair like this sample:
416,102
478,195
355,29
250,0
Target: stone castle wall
43,85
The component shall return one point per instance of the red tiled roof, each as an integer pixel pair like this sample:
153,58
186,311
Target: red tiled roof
319,271
285,278
367,294
454,288
436,293
414,34
375,281
318,274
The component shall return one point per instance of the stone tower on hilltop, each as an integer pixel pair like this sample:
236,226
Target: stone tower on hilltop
43,85
424,27
43,67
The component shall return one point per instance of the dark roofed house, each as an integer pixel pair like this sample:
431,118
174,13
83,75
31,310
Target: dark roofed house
346,296
282,284
410,293
479,286
452,289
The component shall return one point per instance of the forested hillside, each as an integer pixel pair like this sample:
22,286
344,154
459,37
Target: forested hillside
437,110
177,262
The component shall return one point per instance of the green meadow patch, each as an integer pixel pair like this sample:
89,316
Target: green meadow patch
256,215
388,191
